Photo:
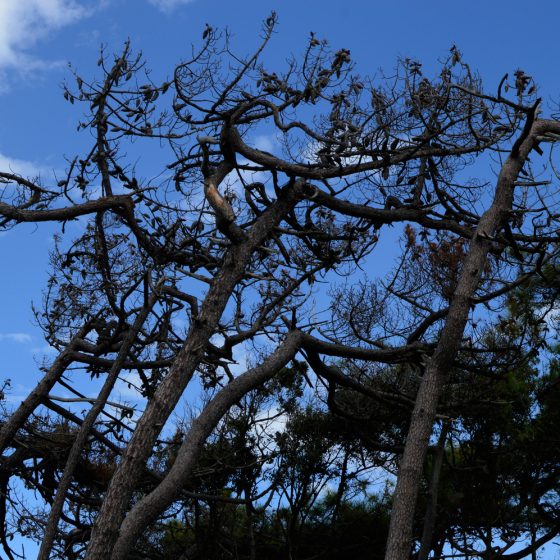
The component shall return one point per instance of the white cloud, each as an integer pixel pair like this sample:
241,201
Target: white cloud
19,166
24,22
271,421
128,387
19,337
168,6
44,349
266,143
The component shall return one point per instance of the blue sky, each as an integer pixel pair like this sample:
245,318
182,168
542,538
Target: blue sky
38,128
39,37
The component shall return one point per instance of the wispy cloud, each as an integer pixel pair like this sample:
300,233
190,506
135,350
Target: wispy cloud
44,349
19,166
25,22
271,421
19,337
168,6
128,387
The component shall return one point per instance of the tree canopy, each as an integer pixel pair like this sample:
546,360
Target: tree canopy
340,405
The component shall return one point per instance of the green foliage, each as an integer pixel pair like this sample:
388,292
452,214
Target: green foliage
359,529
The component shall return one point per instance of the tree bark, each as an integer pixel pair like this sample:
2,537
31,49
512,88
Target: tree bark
411,465
106,528
81,437
33,400
169,489
431,508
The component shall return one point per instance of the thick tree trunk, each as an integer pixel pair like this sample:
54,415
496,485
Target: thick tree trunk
107,526
410,469
169,489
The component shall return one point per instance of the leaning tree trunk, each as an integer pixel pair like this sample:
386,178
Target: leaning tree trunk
85,429
423,415
40,392
107,525
169,489
431,508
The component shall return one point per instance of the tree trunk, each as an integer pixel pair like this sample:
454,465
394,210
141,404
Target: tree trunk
431,508
410,469
155,503
107,526
87,424
30,403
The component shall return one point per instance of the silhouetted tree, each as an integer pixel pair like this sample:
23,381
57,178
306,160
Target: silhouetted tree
229,248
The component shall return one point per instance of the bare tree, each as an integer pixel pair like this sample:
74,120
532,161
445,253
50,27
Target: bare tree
231,245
